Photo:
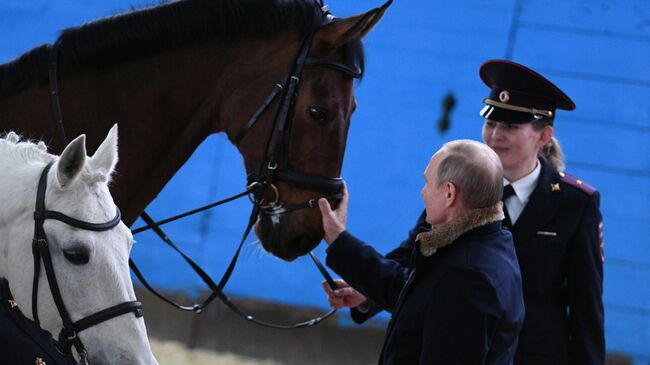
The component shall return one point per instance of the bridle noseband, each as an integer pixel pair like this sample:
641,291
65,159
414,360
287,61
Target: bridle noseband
68,336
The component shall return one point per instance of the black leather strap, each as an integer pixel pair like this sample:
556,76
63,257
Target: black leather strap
104,315
96,227
68,336
188,213
217,289
277,88
352,71
54,89
318,183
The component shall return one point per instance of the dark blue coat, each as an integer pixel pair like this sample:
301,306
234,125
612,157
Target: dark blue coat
463,304
558,239
21,340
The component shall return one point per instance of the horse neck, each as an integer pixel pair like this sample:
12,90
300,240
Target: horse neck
18,183
166,105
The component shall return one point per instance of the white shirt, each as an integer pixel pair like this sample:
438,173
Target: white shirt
523,188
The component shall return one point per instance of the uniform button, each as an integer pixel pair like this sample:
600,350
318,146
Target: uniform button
12,303
39,361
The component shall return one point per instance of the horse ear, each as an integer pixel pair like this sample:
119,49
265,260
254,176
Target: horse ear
71,161
105,158
343,30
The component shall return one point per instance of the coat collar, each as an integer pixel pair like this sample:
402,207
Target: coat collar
446,233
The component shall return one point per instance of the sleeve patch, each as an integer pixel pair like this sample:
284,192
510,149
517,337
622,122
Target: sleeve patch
601,242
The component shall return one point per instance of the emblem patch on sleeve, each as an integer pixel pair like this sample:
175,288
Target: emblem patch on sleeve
602,243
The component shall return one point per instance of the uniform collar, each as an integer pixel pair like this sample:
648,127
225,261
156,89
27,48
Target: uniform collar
525,186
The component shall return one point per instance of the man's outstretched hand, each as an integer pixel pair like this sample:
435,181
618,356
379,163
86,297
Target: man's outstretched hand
334,221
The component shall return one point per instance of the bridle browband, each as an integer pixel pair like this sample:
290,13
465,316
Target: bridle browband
68,336
272,169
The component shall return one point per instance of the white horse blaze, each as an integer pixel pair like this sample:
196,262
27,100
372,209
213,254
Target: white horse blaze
77,187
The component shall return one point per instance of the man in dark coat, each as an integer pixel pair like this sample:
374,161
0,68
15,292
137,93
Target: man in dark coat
462,301
554,219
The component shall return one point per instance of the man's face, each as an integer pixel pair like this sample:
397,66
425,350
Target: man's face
434,194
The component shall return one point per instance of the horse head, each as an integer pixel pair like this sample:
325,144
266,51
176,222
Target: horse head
298,156
90,265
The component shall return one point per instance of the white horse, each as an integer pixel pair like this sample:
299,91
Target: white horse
91,267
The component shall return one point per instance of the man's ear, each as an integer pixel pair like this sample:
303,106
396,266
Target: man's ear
452,194
343,30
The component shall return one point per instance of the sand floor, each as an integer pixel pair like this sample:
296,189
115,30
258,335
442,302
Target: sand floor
175,353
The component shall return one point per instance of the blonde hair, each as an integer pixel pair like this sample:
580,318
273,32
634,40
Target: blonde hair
552,151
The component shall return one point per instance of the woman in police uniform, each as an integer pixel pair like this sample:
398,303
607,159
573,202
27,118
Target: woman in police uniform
554,219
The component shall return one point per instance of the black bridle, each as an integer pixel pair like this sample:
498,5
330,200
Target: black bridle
68,336
274,163
272,169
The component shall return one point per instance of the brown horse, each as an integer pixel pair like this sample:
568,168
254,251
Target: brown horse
173,74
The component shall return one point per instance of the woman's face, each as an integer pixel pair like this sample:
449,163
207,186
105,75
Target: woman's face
516,144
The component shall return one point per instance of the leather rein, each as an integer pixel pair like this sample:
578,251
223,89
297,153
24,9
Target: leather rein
270,171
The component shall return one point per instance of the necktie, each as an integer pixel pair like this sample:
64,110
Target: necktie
508,191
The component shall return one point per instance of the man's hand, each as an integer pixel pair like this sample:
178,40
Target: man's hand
334,220
344,296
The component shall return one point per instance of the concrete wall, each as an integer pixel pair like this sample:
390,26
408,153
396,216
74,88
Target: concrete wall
596,51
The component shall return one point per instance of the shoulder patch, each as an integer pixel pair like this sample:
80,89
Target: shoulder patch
577,183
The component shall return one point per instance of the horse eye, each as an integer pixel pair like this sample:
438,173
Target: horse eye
320,115
77,256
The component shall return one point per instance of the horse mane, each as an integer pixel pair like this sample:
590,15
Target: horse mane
15,149
151,30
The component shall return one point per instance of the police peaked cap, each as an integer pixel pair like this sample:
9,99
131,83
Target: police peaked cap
519,94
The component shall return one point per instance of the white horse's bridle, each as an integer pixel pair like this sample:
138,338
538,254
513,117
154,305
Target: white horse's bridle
68,336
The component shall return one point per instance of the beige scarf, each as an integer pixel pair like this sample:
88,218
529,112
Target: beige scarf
446,233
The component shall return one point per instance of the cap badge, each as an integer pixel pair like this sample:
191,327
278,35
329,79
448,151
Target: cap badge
504,96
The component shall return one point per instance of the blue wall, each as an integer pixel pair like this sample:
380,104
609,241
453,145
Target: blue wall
597,51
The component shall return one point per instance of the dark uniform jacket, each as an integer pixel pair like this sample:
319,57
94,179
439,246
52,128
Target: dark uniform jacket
558,239
462,302
558,242
22,341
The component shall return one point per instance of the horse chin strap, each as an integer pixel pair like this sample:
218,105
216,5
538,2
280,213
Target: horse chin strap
68,336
